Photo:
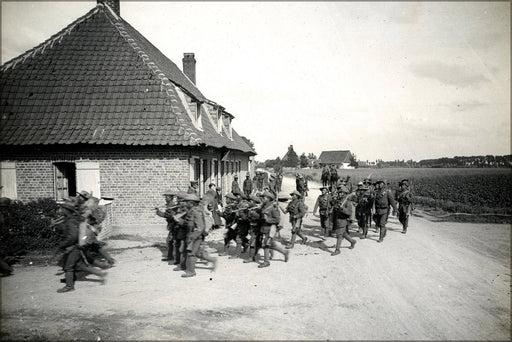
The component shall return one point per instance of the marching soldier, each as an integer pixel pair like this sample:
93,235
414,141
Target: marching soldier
171,207
272,186
342,211
230,216
197,230
383,199
363,208
181,230
297,211
270,219
300,185
323,203
254,217
405,204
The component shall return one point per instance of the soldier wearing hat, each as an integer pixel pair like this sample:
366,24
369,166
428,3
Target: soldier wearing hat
272,184
296,210
72,260
171,209
342,211
247,186
324,204
300,185
383,199
195,220
235,187
230,215
405,204
364,202
180,232
254,217
270,219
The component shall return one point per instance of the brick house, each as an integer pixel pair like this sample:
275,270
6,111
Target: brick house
97,107
339,159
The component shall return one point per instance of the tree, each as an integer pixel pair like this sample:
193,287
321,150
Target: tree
248,142
353,161
291,159
304,161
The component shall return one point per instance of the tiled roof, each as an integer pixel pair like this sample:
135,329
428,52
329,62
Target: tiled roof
334,157
99,81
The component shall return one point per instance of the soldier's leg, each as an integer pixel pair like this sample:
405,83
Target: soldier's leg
183,257
170,249
203,254
177,253
192,251
70,261
339,226
252,247
274,245
238,248
365,227
382,225
266,250
346,235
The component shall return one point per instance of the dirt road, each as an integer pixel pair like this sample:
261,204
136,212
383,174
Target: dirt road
440,281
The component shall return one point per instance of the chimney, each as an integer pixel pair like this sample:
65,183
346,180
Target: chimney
189,66
113,4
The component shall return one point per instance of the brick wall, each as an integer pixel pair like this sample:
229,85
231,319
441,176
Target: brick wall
135,178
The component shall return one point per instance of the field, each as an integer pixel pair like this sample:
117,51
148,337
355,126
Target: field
454,190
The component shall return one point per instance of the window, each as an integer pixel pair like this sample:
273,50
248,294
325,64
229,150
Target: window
65,180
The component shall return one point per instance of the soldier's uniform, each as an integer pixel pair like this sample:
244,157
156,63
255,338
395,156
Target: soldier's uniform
363,208
180,238
300,185
254,218
170,210
342,211
247,186
272,185
197,230
324,204
270,219
383,199
405,204
242,228
296,210
229,214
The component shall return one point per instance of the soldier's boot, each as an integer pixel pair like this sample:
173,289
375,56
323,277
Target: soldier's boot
292,241
252,252
271,254
365,232
191,267
182,266
304,238
238,251
382,234
70,282
266,253
338,245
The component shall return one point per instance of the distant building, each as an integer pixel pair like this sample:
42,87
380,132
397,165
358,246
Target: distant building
97,107
340,159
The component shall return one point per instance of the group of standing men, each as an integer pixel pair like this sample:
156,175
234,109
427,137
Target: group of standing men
338,206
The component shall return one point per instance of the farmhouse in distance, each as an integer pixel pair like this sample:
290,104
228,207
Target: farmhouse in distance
340,159
97,107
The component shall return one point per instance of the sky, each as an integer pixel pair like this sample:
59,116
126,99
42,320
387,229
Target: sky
385,80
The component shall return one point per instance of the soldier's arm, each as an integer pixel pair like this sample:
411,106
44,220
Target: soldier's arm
392,201
160,213
301,211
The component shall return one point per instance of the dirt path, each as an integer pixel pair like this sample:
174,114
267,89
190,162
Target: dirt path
440,281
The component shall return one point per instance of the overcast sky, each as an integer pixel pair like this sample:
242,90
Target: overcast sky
387,80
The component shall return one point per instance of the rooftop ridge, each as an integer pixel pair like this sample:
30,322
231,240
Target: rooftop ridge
165,82
49,42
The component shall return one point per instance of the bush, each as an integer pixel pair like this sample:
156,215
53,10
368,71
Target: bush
27,227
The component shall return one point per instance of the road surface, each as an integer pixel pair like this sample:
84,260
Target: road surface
441,281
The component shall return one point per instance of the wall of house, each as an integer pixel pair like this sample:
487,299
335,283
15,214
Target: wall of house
135,178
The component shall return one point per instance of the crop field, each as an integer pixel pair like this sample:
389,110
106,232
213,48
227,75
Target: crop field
454,190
